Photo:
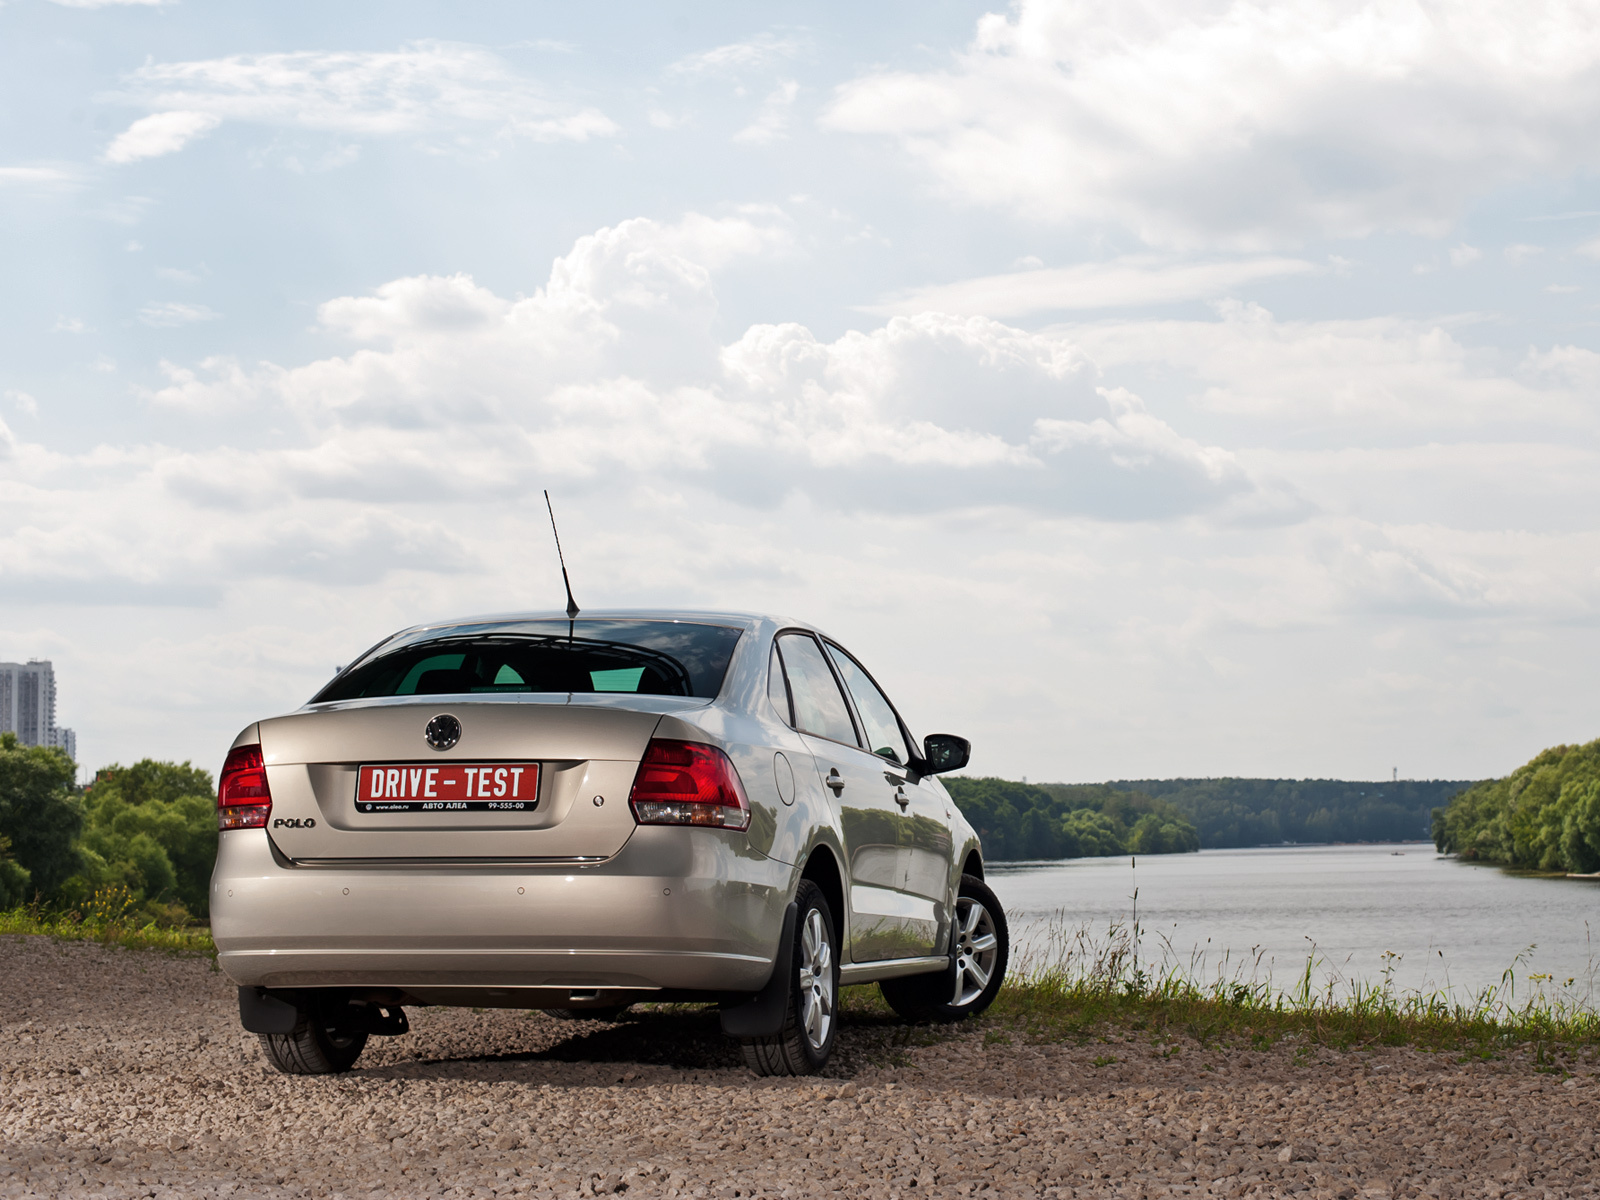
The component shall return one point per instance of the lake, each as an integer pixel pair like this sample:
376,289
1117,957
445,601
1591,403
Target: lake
1452,925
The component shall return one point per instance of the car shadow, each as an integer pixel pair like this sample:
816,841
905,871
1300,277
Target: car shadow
672,1038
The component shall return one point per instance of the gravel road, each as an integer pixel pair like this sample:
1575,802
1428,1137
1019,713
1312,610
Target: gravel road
124,1073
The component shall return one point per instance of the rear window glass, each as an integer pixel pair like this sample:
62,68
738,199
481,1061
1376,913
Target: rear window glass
652,658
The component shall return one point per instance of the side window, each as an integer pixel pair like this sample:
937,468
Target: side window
819,705
776,691
881,726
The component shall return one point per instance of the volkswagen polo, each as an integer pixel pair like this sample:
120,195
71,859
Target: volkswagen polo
538,812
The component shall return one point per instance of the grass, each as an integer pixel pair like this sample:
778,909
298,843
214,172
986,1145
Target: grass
1071,986
1079,988
109,917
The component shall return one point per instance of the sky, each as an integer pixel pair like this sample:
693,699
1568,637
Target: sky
1138,389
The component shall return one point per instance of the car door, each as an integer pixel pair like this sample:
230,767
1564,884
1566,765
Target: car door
881,918
925,841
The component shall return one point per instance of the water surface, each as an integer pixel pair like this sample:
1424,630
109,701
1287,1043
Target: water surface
1451,924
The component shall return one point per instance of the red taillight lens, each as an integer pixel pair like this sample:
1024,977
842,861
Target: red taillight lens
685,783
243,799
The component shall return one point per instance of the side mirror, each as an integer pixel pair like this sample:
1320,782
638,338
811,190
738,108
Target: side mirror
945,752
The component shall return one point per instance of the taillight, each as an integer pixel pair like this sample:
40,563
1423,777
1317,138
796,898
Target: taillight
685,783
243,799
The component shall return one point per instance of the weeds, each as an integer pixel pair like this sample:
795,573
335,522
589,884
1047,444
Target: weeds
1070,983
1072,986
107,917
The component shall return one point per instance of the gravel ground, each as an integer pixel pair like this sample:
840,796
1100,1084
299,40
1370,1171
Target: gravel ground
124,1073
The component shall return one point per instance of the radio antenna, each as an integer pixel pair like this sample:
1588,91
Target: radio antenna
572,605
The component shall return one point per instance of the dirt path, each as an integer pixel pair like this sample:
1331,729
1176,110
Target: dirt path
124,1073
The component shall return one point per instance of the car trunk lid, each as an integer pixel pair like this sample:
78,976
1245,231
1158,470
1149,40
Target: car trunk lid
583,755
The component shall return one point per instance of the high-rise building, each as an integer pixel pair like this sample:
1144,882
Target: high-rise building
28,706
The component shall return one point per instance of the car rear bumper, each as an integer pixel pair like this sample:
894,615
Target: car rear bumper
675,908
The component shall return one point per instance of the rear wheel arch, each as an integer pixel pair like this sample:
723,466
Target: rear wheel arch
973,865
822,869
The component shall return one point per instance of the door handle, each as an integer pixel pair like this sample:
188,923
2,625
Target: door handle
834,780
901,798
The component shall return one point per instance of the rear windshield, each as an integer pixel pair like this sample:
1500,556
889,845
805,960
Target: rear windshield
649,658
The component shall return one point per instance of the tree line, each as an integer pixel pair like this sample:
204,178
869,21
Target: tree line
150,828
1065,820
1163,816
1544,816
1266,812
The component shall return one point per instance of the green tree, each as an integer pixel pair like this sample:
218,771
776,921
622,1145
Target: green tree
1258,812
1154,835
1544,816
151,828
1062,820
40,815
149,780
1098,835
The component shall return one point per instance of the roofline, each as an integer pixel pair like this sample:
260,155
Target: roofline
744,620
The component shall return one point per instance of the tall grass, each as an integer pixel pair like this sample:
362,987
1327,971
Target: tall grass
108,917
1067,982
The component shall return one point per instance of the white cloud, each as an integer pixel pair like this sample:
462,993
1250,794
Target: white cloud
227,386
1520,252
930,472
1464,255
1246,123
735,58
159,134
169,314
772,122
1135,279
1590,249
426,88
612,367
112,3
1373,379
66,324
37,177
23,402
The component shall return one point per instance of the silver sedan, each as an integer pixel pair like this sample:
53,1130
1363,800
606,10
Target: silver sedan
531,811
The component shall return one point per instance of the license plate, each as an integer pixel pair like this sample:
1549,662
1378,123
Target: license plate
452,787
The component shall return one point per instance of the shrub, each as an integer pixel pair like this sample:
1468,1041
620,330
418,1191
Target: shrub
14,877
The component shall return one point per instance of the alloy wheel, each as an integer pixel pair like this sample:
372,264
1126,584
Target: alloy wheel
816,980
977,947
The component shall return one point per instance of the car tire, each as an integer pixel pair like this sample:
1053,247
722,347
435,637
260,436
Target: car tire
313,1048
811,1023
980,945
610,1012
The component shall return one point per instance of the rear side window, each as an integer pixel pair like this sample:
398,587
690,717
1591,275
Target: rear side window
653,658
878,721
819,705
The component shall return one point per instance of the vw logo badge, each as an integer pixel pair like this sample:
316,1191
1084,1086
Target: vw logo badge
443,732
